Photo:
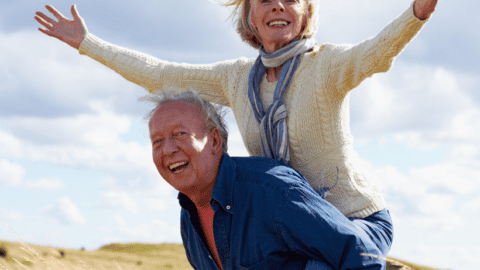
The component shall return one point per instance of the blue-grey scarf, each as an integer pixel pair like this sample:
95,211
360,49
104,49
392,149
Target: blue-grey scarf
273,128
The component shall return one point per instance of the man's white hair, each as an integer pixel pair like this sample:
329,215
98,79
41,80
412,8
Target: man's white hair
213,113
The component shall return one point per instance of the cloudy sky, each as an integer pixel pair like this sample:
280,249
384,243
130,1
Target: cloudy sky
75,159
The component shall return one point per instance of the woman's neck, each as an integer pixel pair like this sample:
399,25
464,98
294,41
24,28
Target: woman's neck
273,73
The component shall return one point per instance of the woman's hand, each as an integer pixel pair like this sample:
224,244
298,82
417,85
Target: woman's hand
69,31
424,8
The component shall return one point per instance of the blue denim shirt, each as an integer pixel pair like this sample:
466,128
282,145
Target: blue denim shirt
267,216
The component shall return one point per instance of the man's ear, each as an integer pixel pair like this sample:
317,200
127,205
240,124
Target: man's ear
217,141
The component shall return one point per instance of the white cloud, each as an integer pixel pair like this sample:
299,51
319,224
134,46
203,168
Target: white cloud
45,184
9,145
103,229
88,140
435,204
11,173
54,78
120,199
428,197
66,212
473,206
55,235
235,141
155,204
438,103
12,216
445,256
129,195
155,230
449,177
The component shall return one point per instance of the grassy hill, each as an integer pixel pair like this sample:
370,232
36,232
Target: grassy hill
114,256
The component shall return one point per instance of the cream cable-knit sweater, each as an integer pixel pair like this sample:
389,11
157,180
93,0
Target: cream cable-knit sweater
317,102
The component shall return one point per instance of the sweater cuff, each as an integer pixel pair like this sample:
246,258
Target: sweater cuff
90,44
411,10
410,22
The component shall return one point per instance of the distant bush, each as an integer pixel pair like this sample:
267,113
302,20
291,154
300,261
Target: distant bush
3,252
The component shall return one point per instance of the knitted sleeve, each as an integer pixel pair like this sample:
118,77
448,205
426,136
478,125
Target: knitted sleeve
348,66
153,74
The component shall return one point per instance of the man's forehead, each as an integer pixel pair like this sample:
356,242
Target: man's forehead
176,113
185,106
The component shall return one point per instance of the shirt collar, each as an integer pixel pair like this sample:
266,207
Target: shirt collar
223,189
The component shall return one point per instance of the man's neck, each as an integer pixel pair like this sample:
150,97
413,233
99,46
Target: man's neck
202,197
202,193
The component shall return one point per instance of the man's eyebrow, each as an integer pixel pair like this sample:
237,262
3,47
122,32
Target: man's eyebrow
172,126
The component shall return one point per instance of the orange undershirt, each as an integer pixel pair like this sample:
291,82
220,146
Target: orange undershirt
205,215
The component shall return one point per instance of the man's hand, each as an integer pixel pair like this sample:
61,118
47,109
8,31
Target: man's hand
69,31
424,8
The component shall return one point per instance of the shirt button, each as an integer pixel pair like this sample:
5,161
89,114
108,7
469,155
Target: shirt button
228,207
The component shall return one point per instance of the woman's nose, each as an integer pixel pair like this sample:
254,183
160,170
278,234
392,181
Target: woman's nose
278,5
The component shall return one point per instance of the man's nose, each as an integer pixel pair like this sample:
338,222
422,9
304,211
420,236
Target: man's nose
169,147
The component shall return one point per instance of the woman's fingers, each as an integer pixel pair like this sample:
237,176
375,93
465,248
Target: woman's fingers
75,14
55,12
44,22
40,17
48,33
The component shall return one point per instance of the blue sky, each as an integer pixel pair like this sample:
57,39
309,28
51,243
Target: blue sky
75,159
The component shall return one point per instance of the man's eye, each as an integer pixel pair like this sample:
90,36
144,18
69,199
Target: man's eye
157,141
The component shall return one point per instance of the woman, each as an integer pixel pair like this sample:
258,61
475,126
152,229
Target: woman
291,103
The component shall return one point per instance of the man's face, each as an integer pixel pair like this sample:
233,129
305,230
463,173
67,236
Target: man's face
183,151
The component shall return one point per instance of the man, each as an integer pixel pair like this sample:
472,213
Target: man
246,213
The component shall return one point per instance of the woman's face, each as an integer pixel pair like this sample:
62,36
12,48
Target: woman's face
278,21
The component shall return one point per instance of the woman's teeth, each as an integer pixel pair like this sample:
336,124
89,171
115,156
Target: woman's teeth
277,23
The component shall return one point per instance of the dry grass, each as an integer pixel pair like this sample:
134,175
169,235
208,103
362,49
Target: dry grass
116,256
393,263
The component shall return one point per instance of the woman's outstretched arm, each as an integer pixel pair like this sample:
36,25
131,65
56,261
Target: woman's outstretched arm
69,31
149,72
350,65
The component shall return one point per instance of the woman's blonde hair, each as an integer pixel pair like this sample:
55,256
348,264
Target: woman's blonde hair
241,16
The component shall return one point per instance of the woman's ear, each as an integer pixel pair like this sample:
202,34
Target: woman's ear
250,18
309,15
